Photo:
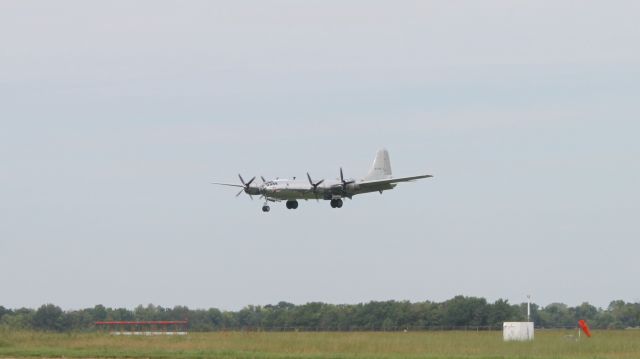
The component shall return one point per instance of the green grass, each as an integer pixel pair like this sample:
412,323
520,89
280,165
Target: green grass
265,345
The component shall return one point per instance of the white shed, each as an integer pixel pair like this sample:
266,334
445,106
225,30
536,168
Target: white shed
520,331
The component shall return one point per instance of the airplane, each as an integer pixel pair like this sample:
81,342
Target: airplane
378,179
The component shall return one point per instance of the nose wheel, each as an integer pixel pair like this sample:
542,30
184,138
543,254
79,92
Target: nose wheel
265,208
336,203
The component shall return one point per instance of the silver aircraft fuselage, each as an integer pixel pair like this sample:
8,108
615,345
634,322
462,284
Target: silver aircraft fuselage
291,189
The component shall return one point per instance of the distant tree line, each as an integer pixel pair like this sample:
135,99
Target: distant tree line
459,312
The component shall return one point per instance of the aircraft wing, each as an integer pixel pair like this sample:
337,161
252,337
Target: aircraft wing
373,184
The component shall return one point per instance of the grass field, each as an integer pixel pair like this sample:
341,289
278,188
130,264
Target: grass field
456,344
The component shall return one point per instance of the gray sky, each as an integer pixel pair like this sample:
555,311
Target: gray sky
115,116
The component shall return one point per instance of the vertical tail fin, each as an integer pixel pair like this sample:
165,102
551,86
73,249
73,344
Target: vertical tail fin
381,168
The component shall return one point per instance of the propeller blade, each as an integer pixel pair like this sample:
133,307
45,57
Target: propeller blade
227,184
241,180
250,196
314,186
249,183
345,183
239,193
263,180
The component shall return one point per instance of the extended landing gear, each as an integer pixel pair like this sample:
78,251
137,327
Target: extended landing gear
336,203
265,208
292,204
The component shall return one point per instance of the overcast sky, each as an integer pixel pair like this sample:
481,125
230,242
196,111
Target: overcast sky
115,116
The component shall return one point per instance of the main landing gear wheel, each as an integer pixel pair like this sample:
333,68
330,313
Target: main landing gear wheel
336,203
292,204
265,208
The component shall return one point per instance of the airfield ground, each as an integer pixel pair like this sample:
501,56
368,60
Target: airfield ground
446,344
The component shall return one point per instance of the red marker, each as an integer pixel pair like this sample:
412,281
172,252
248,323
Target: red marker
585,327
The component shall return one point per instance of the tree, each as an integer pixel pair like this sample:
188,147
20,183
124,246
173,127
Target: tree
50,317
99,313
465,311
585,311
3,311
557,315
459,311
625,315
499,312
20,319
119,314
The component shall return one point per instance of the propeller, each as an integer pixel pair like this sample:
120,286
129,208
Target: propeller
314,186
345,183
244,185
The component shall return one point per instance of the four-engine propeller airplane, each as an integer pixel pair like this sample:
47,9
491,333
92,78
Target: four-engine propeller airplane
378,179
